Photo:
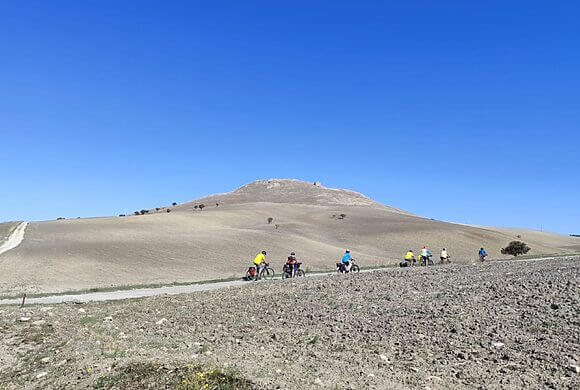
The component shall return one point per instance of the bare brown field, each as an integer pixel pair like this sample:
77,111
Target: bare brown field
499,325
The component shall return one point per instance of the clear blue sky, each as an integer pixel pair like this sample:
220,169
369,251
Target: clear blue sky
456,110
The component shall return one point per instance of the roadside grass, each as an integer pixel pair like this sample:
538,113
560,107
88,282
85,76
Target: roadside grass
159,376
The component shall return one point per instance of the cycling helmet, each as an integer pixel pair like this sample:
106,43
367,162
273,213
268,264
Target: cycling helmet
264,253
292,254
347,251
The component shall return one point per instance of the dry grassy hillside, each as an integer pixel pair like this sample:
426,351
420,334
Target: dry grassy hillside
220,241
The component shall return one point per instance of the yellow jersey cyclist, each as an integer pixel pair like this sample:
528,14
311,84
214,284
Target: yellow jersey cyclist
410,258
259,263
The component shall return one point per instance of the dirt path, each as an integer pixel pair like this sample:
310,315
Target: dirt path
15,238
165,290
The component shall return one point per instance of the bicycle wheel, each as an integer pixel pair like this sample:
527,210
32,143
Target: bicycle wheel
300,273
286,275
267,273
354,268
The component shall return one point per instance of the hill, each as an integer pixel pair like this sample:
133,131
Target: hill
220,241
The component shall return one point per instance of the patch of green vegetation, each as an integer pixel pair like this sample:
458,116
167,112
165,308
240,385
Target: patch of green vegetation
157,376
203,349
314,340
114,353
88,320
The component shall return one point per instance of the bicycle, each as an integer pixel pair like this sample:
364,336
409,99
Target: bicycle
289,272
265,273
343,268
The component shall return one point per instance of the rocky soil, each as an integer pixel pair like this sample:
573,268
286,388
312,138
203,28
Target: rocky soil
486,326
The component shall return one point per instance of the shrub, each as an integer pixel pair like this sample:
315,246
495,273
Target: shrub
168,210
195,206
515,248
217,205
143,212
201,206
342,216
157,209
174,204
121,215
270,219
60,218
137,213
276,226
519,236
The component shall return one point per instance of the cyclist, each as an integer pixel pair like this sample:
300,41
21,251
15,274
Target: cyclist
482,254
425,255
410,258
444,256
259,262
346,261
291,262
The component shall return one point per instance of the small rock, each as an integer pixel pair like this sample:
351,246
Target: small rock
554,306
108,318
81,310
39,322
24,319
40,375
45,360
384,357
161,321
574,368
278,371
318,382
45,309
497,345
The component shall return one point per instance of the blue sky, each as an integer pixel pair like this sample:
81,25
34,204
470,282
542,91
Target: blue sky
456,110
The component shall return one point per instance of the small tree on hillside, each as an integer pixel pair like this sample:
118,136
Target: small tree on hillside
217,205
515,248
201,206
174,203
168,210
270,219
195,207
342,216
